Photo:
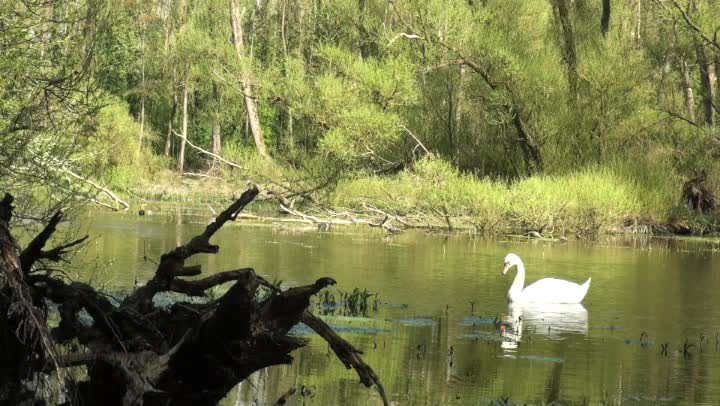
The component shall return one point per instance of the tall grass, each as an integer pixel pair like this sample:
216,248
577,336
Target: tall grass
592,199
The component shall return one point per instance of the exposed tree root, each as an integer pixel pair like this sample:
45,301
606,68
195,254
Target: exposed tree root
190,354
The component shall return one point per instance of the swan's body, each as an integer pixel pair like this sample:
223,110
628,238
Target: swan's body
549,290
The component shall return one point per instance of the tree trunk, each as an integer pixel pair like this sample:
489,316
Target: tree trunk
688,88
142,97
708,80
181,156
142,125
171,123
569,52
458,113
245,81
605,19
450,116
217,142
529,145
15,357
289,129
638,20
665,72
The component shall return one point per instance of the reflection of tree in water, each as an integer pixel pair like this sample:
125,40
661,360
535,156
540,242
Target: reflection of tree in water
554,378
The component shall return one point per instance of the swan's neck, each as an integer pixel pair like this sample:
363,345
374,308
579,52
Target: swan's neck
518,284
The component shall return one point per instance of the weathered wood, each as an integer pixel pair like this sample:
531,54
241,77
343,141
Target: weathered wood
569,51
24,333
34,250
172,264
605,19
181,154
189,354
245,79
687,85
348,354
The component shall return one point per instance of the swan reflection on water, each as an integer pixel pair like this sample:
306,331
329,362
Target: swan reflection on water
551,320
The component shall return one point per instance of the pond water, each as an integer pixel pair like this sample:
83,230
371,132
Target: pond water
443,333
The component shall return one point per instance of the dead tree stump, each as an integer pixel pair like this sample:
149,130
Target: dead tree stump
138,354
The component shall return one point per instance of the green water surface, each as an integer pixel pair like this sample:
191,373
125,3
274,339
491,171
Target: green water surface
435,338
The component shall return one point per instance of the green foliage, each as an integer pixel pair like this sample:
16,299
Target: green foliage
586,201
351,89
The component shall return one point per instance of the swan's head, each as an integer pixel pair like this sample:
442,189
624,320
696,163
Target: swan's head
511,260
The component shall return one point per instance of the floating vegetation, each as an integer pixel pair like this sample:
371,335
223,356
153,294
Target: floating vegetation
538,358
472,321
417,322
686,348
484,336
301,330
664,348
395,305
643,341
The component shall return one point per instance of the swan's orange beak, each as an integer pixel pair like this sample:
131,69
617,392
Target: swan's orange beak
506,268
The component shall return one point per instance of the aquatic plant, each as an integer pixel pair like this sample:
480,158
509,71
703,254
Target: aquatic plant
686,348
355,303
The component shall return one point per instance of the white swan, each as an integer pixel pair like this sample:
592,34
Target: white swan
547,290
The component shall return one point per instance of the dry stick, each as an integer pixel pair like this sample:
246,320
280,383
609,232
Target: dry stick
233,164
387,219
200,175
221,159
106,191
305,217
416,139
405,35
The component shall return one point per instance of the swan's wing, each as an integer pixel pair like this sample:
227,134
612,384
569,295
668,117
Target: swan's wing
551,290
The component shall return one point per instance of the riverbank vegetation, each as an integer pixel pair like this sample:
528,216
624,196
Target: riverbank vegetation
550,116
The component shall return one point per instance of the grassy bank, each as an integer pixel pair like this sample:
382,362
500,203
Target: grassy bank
622,197
617,198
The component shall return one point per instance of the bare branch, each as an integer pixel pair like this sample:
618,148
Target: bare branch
198,287
102,189
681,117
692,25
172,264
33,249
206,152
349,355
416,139
403,35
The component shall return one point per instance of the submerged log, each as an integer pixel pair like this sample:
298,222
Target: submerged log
190,354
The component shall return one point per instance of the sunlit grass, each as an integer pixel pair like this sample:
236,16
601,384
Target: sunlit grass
593,199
